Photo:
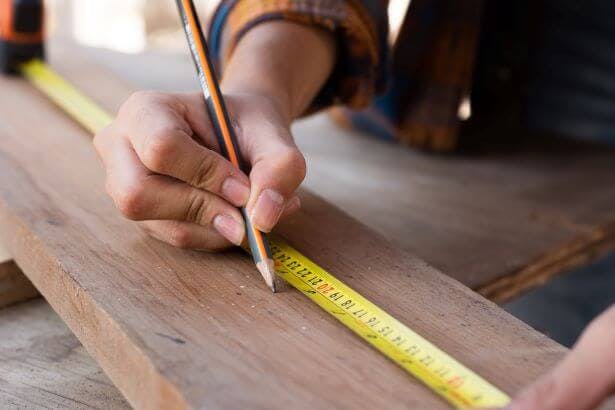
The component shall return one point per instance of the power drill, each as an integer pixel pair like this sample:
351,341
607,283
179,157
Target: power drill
21,33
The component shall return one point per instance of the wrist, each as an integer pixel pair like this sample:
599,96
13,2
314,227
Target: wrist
285,62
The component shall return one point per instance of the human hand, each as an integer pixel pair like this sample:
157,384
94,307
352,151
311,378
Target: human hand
164,169
161,154
584,379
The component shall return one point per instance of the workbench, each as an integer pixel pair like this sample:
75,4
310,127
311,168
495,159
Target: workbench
500,223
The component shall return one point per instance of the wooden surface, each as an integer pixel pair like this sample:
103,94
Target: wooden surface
43,365
14,286
501,220
176,328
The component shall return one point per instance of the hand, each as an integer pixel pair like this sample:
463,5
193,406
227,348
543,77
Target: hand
161,155
164,169
584,379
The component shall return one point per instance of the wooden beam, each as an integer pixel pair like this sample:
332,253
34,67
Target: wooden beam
14,286
178,329
43,365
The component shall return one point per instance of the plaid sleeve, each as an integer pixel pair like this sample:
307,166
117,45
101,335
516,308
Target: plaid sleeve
360,26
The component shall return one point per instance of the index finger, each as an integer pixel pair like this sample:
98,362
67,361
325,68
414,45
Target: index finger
163,141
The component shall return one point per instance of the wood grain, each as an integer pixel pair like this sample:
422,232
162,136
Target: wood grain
43,365
177,329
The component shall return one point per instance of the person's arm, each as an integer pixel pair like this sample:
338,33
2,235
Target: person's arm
288,64
284,61
161,154
279,59
584,379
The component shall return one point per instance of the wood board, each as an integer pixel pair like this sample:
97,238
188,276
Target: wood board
501,219
14,286
43,365
176,329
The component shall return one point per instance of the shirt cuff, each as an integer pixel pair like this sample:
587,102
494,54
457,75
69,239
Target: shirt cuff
361,36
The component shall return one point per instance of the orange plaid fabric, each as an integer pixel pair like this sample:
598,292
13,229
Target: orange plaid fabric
361,27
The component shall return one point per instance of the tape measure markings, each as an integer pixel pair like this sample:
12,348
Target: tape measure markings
443,374
437,370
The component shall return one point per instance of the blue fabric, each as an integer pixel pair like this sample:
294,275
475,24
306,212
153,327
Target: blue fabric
572,77
564,307
215,30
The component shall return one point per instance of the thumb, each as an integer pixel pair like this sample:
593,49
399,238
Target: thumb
278,168
584,378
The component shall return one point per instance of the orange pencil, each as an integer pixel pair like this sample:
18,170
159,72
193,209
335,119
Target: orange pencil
257,240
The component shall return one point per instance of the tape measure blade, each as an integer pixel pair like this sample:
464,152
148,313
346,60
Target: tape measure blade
81,108
437,370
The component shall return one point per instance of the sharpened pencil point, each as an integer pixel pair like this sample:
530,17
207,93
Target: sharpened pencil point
267,269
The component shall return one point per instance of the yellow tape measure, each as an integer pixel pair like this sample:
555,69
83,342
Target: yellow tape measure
444,375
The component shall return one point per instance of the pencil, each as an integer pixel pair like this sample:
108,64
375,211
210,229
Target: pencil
225,134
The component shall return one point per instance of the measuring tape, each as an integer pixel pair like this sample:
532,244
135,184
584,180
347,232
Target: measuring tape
444,375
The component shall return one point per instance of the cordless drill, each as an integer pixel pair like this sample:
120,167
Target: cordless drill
21,33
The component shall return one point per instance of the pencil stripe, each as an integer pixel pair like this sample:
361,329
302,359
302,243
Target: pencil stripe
213,91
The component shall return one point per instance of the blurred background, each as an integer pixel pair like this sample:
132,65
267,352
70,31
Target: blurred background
140,25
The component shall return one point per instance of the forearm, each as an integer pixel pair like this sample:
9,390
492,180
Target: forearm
285,61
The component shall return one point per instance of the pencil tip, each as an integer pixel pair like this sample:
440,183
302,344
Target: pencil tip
267,269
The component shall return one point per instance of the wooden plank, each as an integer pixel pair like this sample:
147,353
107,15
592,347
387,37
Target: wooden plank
503,220
43,365
175,328
14,286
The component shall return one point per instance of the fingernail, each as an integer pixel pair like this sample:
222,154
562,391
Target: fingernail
267,211
228,227
236,192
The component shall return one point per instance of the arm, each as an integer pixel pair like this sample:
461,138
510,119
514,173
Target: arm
288,62
280,59
586,376
160,152
291,63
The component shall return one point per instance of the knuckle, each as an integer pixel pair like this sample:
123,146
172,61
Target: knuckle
180,237
198,210
139,98
158,150
133,102
141,105
130,200
139,101
292,162
206,174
